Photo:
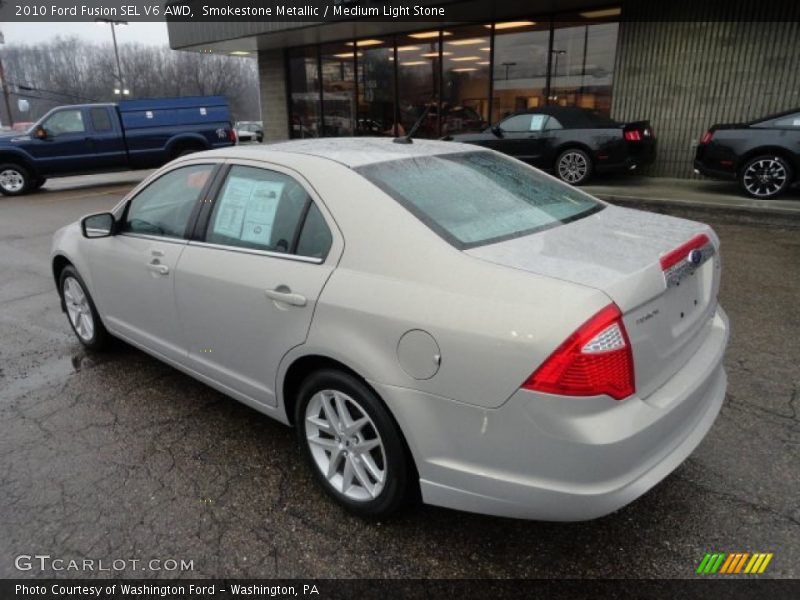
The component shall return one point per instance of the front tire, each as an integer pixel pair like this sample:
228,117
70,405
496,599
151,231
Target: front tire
574,166
14,179
352,444
765,176
81,311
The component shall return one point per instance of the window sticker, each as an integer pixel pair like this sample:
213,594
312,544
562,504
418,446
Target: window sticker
537,121
247,209
261,211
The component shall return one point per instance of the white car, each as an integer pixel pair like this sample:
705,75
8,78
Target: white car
434,318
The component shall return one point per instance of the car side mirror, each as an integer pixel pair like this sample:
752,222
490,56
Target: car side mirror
497,130
98,226
40,133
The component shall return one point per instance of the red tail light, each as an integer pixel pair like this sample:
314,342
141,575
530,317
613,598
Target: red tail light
673,257
633,135
706,137
595,360
232,135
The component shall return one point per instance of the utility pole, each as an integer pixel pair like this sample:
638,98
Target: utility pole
122,89
6,93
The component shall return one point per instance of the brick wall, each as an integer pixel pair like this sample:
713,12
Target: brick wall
272,77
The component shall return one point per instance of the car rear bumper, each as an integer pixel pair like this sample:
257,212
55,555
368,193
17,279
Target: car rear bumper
703,169
561,459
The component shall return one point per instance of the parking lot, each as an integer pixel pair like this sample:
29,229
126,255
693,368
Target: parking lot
117,456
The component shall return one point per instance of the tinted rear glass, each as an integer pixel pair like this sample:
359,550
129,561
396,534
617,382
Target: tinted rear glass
477,198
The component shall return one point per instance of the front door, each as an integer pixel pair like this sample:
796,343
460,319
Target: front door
522,137
246,291
68,147
133,272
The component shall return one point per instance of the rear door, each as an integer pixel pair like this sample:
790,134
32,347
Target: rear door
133,272
247,285
106,138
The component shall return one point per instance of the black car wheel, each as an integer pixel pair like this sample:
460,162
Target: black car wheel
574,166
765,176
353,445
14,180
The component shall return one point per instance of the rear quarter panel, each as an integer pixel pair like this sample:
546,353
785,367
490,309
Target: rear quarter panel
493,325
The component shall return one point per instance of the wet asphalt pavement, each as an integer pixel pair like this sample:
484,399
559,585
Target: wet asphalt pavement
117,456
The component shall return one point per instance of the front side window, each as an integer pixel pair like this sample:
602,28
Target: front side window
790,122
164,207
519,123
270,211
487,198
65,121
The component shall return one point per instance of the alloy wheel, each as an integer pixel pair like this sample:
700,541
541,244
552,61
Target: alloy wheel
765,177
78,309
345,445
573,167
11,180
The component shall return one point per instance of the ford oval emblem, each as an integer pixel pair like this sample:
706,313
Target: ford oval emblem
695,256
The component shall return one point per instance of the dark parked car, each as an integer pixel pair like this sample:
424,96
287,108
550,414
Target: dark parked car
570,141
763,155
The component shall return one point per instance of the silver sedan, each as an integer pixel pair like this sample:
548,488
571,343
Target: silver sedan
437,321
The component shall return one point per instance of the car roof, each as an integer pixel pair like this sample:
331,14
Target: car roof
572,116
351,152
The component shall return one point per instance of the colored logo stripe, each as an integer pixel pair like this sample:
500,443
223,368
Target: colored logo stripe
734,563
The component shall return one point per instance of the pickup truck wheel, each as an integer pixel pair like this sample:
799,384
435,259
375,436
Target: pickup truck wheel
14,180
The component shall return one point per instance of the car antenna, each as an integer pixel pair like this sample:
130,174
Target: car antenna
406,139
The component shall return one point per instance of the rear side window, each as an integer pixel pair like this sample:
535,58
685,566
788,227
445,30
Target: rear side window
164,207
266,210
477,198
100,119
790,122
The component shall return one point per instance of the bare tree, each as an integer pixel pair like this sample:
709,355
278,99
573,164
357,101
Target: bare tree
70,71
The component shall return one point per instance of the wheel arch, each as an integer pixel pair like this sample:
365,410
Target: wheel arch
302,366
20,159
570,145
785,154
185,141
59,263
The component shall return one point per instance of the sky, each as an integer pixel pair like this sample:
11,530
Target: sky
33,33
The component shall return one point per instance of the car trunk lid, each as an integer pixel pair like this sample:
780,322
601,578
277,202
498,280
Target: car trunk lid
619,251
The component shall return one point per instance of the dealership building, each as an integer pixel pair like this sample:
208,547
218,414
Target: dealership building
682,64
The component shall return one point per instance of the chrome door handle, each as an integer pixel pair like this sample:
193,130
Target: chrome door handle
158,267
285,295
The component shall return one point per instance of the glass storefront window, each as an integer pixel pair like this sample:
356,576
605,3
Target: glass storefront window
520,67
304,92
418,82
338,89
376,114
465,79
582,65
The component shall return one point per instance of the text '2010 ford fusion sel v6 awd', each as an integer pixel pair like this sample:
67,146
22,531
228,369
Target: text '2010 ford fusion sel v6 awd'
433,318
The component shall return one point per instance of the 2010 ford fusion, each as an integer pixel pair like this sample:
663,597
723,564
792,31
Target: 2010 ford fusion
433,318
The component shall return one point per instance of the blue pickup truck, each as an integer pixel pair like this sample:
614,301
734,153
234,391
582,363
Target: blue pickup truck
91,138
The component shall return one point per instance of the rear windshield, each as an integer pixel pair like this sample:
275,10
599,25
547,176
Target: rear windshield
477,198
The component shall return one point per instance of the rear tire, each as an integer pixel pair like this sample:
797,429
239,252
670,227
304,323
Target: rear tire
81,311
765,176
186,151
574,166
365,467
14,179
